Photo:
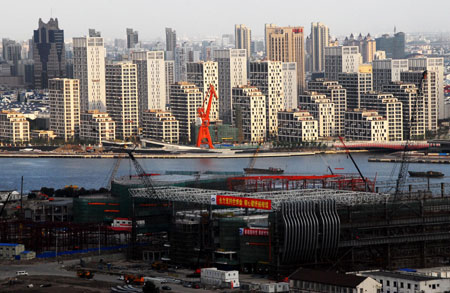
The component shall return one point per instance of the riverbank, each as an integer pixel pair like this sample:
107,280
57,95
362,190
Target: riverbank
419,160
159,155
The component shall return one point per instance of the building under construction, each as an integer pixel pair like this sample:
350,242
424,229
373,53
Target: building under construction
277,231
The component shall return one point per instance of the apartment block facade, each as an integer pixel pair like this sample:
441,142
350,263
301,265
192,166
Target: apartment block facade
297,126
160,125
122,98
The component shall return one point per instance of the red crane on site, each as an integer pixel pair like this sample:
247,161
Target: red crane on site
203,132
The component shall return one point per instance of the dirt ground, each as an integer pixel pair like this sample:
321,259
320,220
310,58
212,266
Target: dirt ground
58,285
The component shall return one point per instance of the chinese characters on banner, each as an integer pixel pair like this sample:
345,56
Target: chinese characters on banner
241,202
253,232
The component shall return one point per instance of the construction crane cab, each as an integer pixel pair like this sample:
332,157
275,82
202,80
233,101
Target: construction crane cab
203,133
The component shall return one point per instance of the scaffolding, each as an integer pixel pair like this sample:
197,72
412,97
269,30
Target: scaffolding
203,196
286,182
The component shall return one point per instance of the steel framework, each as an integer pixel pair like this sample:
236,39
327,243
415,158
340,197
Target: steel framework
203,196
286,182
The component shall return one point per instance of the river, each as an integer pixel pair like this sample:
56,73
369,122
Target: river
94,173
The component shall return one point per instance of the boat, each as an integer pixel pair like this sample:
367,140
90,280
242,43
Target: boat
269,170
433,174
251,170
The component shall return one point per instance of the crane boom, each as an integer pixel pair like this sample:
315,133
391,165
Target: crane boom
354,163
252,162
5,203
203,132
114,171
148,185
404,165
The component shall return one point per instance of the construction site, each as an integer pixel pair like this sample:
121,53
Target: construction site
258,222
269,224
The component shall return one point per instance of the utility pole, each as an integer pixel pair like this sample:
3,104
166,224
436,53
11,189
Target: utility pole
21,198
56,250
98,239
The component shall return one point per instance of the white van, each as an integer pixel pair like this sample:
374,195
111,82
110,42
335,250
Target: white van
21,273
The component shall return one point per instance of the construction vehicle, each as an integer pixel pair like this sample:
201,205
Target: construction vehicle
203,133
133,279
85,274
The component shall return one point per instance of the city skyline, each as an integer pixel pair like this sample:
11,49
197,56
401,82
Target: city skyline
112,17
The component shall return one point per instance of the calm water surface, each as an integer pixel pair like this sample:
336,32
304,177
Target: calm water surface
94,173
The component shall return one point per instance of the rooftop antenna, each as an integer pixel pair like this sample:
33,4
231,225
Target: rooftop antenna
395,29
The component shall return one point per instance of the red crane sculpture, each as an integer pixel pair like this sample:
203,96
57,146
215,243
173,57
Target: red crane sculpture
203,133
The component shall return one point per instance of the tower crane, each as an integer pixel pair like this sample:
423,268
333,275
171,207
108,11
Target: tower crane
149,189
404,164
203,133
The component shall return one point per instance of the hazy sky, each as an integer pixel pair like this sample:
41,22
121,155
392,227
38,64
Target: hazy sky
202,18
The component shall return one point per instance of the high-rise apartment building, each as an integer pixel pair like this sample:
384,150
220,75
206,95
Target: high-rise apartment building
12,54
267,76
64,102
185,99
14,127
160,125
322,109
319,41
394,46
367,46
249,113
170,77
337,95
387,71
436,65
94,34
151,79
243,38
132,38
97,127
412,107
122,98
297,126
389,107
356,83
203,74
365,125
290,87
49,54
232,66
89,68
181,59
429,93
286,44
171,43
341,59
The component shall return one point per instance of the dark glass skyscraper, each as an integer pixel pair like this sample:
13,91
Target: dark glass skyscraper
171,43
48,53
393,46
132,38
